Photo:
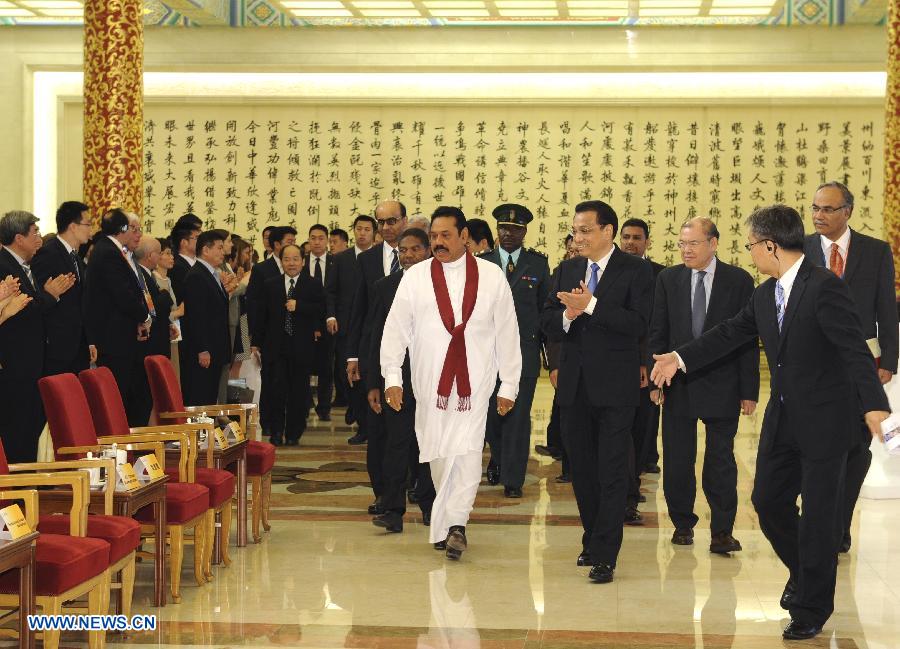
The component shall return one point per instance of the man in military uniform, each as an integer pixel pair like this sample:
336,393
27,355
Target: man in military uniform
529,279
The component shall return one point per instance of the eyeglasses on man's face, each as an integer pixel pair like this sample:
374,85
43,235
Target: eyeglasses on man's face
390,222
691,245
749,246
826,209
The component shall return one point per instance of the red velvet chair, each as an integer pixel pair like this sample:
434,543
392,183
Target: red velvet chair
68,566
109,416
169,404
187,505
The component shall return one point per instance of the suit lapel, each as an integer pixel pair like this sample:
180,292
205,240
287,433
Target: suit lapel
854,255
791,308
716,297
613,270
683,297
24,284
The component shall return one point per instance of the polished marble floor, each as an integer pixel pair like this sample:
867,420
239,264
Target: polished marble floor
325,577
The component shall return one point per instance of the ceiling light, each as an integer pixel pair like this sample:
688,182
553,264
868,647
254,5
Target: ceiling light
322,13
6,5
460,13
598,13
662,4
671,11
741,11
450,4
51,4
329,4
390,13
598,4
61,13
528,13
13,13
525,4
383,4
743,3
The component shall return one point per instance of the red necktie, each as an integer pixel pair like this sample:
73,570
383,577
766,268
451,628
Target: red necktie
836,263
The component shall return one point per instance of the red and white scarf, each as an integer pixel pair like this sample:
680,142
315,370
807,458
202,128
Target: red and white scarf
456,365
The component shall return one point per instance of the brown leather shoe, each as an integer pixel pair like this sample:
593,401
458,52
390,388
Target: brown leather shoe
683,536
723,543
456,542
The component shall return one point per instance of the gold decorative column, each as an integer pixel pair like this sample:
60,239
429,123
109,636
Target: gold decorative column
113,104
892,140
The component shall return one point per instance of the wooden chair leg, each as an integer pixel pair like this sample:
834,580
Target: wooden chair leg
98,603
200,551
127,586
51,606
176,554
267,496
210,537
226,532
256,488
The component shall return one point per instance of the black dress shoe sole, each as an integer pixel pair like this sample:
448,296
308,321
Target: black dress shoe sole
604,578
563,479
805,633
394,529
353,441
642,498
725,549
583,561
682,540
512,493
440,545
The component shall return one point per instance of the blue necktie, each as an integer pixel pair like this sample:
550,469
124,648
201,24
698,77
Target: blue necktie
779,303
592,282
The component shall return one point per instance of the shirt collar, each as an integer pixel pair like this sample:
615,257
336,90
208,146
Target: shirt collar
21,261
278,263
843,243
710,269
288,278
69,249
209,267
118,244
505,256
357,250
603,261
787,279
190,260
388,251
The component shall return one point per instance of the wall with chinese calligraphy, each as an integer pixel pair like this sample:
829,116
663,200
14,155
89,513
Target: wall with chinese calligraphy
242,167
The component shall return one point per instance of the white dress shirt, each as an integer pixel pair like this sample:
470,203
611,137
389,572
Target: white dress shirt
387,257
287,282
312,266
190,260
589,309
843,243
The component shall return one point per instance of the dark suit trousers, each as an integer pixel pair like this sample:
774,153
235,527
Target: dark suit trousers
54,366
719,470
341,386
554,434
372,425
201,384
131,378
359,403
510,436
266,389
289,396
858,461
23,417
325,372
596,440
807,544
400,438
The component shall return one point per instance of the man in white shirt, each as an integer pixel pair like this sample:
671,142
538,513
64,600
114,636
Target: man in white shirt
319,265
455,315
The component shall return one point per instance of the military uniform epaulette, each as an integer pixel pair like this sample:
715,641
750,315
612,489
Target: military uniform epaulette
536,252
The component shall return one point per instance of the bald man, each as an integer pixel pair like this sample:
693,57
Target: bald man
376,262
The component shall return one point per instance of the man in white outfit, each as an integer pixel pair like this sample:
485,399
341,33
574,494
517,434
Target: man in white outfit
455,315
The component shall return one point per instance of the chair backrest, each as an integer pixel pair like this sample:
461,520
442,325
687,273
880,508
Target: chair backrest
164,385
67,412
105,401
4,465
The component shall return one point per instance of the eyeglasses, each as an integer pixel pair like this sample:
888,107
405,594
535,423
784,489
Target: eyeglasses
683,245
390,222
749,246
87,223
585,231
825,209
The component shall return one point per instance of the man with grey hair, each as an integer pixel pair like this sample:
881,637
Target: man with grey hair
23,337
867,266
822,377
419,222
691,298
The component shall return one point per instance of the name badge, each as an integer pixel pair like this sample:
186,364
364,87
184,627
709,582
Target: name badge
126,478
148,468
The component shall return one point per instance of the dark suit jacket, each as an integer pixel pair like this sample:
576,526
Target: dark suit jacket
205,322
603,346
529,285
869,272
340,288
255,295
159,343
178,274
385,289
371,269
308,318
23,336
657,269
717,389
115,304
66,339
822,371
328,268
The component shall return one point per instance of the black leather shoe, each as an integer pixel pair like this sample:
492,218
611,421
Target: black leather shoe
845,543
512,492
801,631
546,451
456,542
323,415
724,543
683,536
633,517
376,508
584,559
651,468
601,573
276,440
411,496
292,442
357,439
349,417
493,474
389,521
642,498
789,595
563,478
440,545
426,519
